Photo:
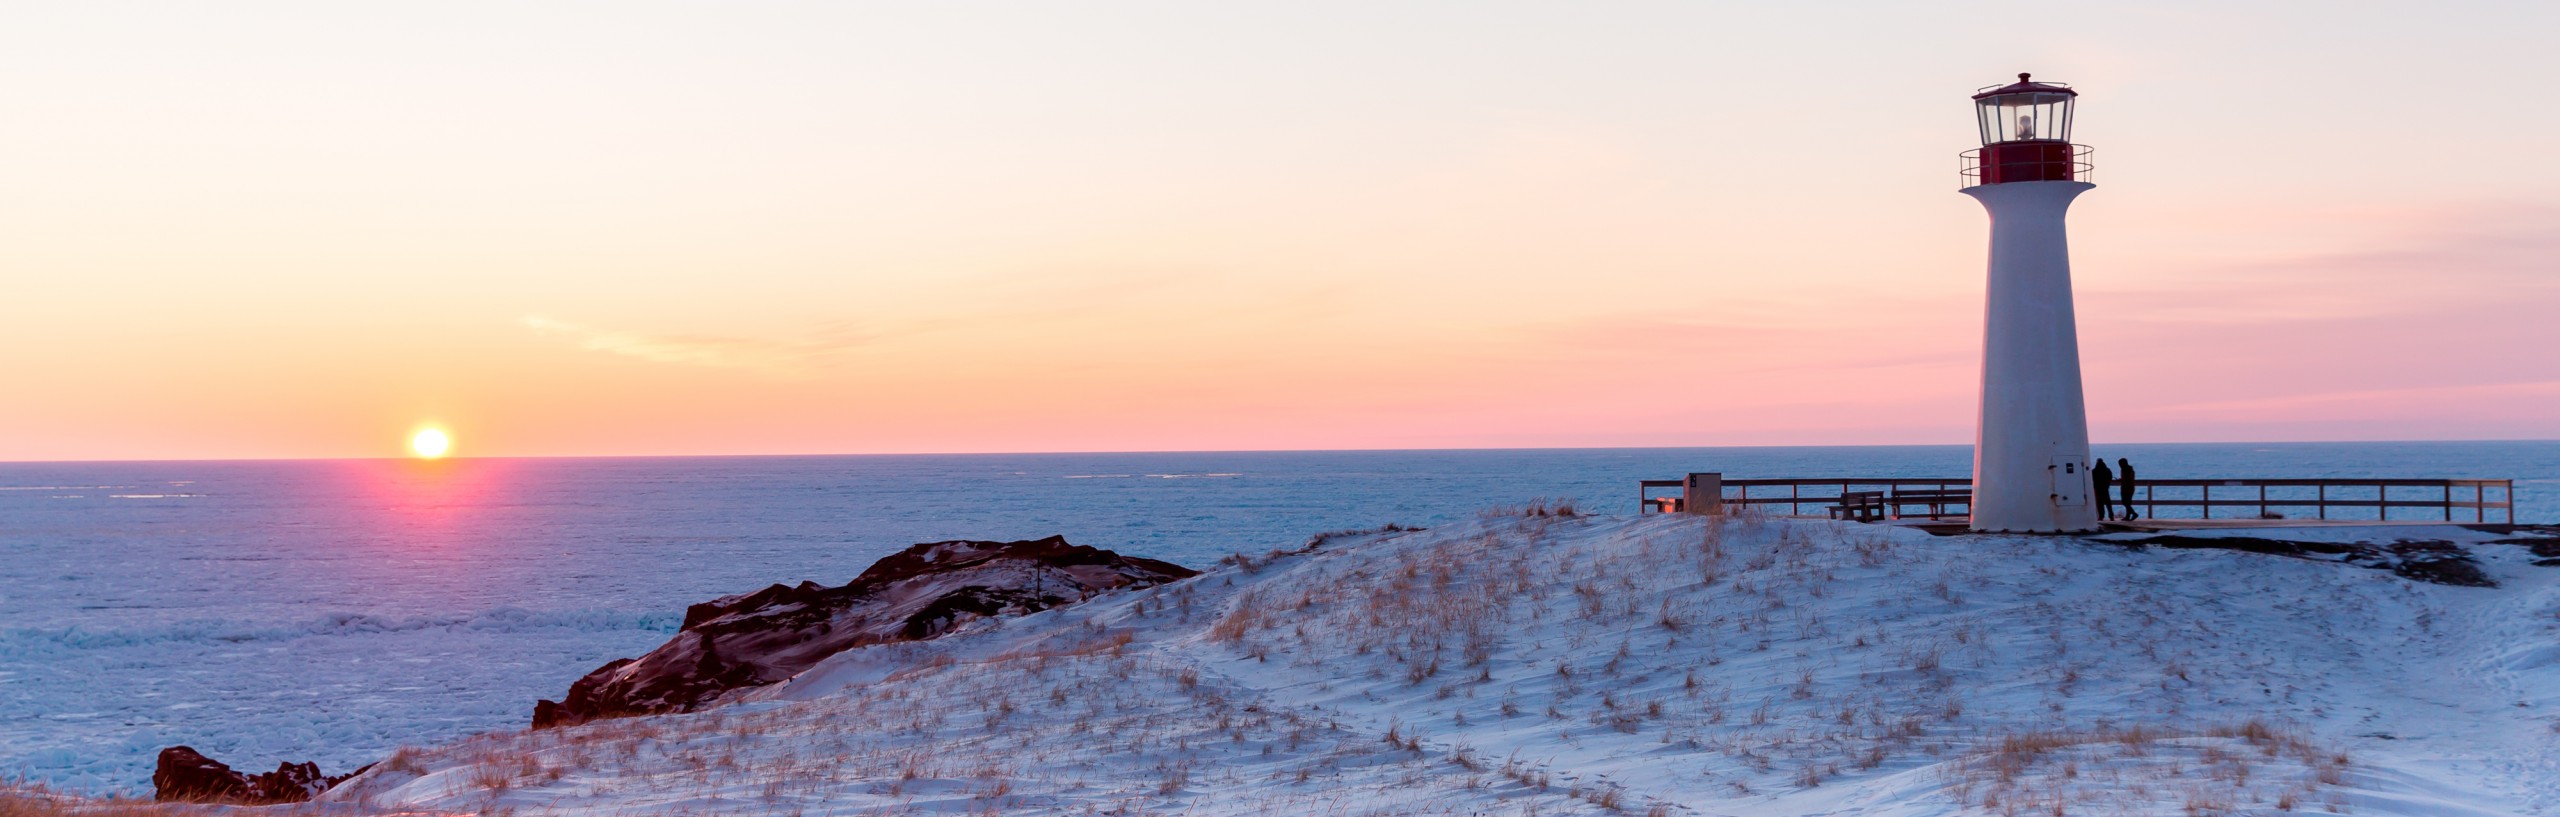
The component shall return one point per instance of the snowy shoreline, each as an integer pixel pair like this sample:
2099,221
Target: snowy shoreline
315,611
1663,665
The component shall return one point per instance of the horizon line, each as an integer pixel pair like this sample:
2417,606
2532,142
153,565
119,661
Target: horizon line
1068,452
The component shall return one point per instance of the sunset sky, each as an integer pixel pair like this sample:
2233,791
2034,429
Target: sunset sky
304,230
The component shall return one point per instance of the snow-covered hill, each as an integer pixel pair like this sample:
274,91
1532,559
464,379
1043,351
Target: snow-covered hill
1535,664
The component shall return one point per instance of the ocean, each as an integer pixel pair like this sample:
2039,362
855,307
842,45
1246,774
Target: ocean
269,611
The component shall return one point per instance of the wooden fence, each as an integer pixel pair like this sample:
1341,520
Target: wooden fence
2449,500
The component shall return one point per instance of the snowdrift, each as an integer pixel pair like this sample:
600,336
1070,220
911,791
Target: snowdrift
1539,664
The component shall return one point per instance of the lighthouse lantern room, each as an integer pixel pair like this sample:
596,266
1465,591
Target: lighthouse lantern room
2031,440
2026,134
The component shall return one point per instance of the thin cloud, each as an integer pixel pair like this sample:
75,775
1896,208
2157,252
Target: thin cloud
1004,303
2458,259
784,358
2370,397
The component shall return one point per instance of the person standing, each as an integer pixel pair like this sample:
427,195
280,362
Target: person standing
2102,479
2124,486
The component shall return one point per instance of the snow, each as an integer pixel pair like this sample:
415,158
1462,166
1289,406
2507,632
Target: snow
331,610
1656,665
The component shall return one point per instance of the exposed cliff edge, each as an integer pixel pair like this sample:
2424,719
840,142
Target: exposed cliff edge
769,635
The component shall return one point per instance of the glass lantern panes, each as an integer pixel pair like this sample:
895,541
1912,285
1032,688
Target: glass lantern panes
2027,115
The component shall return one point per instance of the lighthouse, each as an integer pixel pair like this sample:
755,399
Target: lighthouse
2031,443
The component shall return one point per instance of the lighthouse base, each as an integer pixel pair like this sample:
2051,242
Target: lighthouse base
2031,443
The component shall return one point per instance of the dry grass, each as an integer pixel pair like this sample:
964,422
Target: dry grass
1327,537
1540,508
1707,641
31,800
2143,769
36,802
1128,731
1458,603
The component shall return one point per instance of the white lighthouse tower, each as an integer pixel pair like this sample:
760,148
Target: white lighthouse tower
2031,448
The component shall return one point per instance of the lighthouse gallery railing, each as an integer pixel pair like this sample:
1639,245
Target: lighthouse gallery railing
2080,167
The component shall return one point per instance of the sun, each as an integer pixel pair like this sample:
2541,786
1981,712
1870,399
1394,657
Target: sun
430,443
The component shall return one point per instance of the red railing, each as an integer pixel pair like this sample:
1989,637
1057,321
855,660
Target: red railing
2076,165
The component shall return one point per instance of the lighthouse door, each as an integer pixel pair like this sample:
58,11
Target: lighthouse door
2070,482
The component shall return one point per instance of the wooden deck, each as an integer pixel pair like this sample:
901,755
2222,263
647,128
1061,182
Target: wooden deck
1959,527
2166,525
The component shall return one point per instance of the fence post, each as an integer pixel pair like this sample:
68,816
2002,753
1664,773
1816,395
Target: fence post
1703,493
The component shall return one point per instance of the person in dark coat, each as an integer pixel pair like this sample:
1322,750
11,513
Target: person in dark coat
2124,486
2101,479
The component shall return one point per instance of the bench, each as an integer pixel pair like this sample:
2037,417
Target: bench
1934,499
1860,506
1665,504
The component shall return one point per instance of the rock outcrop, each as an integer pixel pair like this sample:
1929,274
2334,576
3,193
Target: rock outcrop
769,635
187,776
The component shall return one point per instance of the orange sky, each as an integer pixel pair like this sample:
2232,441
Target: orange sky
301,230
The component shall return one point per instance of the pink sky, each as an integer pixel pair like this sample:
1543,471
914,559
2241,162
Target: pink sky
291,230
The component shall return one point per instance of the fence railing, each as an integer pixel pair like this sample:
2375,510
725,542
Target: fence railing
2449,500
1817,494
1825,493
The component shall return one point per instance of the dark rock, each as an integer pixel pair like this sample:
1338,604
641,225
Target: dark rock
2433,561
2253,544
2543,539
769,635
186,776
2457,571
2438,562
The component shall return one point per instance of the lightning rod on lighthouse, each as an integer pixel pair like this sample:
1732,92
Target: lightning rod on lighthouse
2031,443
